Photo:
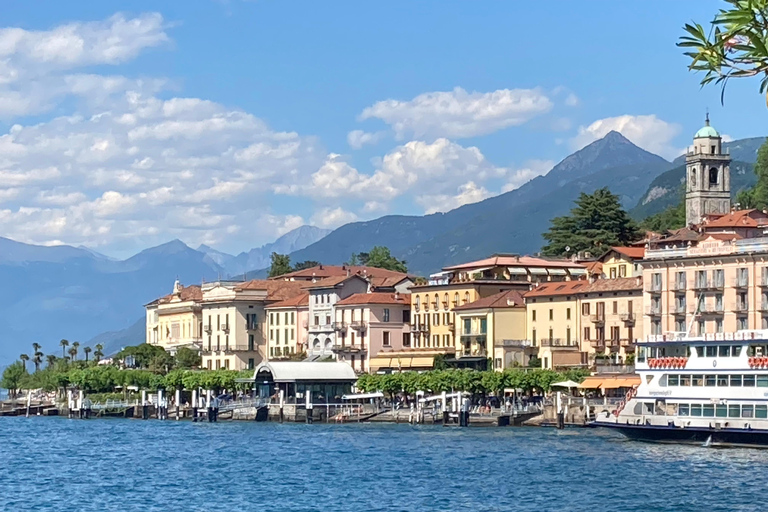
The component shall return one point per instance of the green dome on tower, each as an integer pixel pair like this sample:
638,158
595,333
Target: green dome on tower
706,131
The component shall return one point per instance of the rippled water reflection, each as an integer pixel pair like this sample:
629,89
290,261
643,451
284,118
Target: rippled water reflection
130,465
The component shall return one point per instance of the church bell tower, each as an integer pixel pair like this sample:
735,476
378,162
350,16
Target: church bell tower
708,176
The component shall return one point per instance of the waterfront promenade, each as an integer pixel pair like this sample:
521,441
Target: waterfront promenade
130,466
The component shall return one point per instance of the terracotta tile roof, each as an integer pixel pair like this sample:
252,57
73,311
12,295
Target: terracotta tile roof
737,219
512,260
594,268
724,236
636,253
297,301
584,286
386,282
328,282
681,235
325,271
376,298
276,290
191,292
505,299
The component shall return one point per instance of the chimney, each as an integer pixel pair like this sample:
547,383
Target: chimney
397,295
639,281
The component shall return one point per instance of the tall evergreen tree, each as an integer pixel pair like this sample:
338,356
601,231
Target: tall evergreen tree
597,222
671,218
379,257
305,264
281,264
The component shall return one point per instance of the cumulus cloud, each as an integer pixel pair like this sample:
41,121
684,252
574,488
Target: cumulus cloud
359,138
469,192
649,132
332,217
459,114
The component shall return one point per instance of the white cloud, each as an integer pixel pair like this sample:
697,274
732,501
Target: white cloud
359,138
649,132
466,193
572,100
332,217
458,113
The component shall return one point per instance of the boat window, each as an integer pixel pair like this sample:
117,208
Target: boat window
697,380
638,408
761,411
708,410
722,380
709,380
734,411
724,351
721,411
682,410
673,380
749,381
736,380
648,409
695,409
735,351
746,411
685,380
711,351
762,381
699,351
641,354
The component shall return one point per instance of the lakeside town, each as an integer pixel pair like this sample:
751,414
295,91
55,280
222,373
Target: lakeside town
578,318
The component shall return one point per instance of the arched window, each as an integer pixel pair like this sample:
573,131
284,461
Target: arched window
455,299
445,301
466,297
418,303
437,299
426,302
714,176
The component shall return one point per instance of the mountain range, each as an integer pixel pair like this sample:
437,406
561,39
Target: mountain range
76,293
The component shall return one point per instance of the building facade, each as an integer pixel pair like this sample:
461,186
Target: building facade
708,177
371,326
579,322
323,296
175,320
288,321
494,328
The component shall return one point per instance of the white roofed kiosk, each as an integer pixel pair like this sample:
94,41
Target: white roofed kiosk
293,387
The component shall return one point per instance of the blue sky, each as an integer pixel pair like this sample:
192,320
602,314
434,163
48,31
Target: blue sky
230,123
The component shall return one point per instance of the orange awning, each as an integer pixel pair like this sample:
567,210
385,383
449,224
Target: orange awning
591,383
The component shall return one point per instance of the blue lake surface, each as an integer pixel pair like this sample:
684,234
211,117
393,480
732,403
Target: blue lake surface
56,464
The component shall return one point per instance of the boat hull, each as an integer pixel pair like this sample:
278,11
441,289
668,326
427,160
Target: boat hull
690,435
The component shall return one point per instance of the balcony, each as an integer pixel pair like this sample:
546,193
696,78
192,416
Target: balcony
415,328
473,333
740,307
321,327
339,326
653,311
560,343
208,328
225,328
597,319
513,343
763,306
763,281
628,318
475,351
681,286
702,285
253,326
653,287
740,282
712,309
346,349
597,344
679,309
359,326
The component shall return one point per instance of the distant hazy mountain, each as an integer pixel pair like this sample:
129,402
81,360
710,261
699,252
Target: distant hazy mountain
667,188
511,222
115,341
259,257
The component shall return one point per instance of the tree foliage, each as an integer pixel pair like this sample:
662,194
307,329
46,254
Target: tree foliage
379,257
597,222
281,264
12,378
671,218
305,264
473,381
147,357
757,196
735,45
187,359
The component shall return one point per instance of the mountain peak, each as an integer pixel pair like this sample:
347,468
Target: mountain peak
614,136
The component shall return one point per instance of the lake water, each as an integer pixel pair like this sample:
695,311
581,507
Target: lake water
57,464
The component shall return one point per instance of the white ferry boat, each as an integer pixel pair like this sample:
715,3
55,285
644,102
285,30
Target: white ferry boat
710,390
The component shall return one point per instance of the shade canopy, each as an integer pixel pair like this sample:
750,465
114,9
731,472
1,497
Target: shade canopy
565,384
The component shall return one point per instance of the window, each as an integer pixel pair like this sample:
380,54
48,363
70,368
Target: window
713,176
568,314
708,410
436,319
209,364
724,351
218,342
695,409
749,381
587,334
250,342
436,340
277,337
533,315
721,410
551,314
761,411
613,273
762,381
585,308
483,326
466,297
747,411
685,380
551,335
286,336
533,342
568,335
385,341
722,381
710,380
615,307
734,410
711,351
226,364
683,410
615,333
386,314
623,271
736,381
418,302
719,325
406,339
719,278
673,380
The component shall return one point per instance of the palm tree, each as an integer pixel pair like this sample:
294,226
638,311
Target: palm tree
75,345
98,354
24,358
64,344
38,356
87,351
51,359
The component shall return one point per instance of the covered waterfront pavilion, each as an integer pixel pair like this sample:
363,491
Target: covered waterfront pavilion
325,382
611,385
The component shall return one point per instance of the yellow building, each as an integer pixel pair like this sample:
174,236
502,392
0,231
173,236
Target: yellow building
235,321
288,323
175,320
494,328
578,322
622,262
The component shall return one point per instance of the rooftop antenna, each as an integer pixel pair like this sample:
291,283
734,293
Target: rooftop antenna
706,119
